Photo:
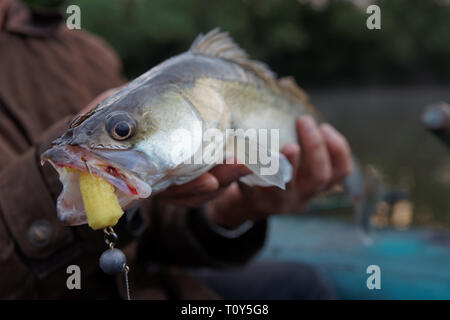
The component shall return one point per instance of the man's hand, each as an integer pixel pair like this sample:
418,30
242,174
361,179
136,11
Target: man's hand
322,159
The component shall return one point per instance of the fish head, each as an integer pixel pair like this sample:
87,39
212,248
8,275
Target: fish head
134,139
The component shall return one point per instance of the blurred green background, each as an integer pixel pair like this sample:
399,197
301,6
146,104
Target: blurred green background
371,84
318,41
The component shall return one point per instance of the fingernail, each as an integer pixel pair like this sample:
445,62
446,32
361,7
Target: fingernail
208,184
291,148
329,131
310,128
308,122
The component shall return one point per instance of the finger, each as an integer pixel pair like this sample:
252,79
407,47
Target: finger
264,199
194,200
230,209
228,173
206,183
315,167
292,153
339,150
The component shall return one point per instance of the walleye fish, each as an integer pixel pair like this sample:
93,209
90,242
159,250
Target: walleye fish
140,138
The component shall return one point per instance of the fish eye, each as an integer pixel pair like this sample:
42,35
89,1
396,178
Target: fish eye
120,126
121,131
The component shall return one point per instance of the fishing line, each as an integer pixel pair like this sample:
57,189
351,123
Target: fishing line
127,284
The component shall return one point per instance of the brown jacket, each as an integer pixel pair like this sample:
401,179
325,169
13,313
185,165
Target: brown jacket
47,74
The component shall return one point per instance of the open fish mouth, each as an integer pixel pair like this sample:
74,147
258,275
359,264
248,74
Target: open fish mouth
128,187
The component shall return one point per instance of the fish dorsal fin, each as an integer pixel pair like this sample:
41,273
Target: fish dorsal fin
219,44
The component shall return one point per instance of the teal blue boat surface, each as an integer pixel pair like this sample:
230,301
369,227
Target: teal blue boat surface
415,263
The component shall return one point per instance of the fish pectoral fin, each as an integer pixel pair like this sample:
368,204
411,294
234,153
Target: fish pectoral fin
269,167
265,177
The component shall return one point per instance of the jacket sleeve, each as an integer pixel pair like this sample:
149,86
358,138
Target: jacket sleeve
185,237
29,230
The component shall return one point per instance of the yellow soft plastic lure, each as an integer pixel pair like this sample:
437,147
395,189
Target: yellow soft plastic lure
100,202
